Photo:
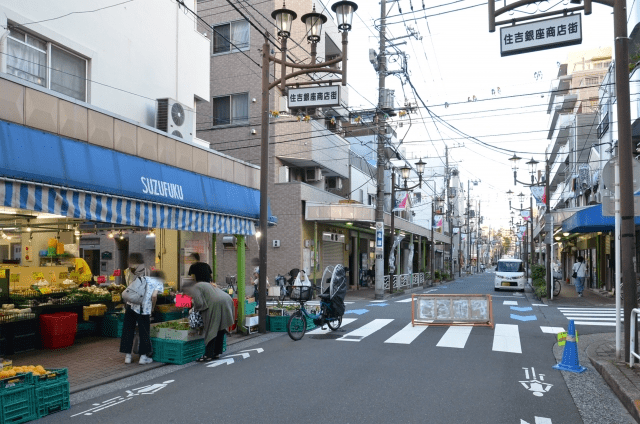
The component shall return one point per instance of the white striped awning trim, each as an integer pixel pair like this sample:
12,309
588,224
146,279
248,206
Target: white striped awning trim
116,210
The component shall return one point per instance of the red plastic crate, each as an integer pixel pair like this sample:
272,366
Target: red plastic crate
58,342
60,323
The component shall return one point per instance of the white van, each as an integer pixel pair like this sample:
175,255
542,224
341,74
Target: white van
510,275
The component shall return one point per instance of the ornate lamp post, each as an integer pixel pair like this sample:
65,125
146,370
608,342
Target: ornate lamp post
284,22
405,171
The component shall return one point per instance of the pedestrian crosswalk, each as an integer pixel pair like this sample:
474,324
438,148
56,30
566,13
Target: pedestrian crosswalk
600,317
506,337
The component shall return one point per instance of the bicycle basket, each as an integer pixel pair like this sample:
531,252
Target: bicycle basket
301,293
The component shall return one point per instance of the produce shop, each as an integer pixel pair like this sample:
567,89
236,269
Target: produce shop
67,228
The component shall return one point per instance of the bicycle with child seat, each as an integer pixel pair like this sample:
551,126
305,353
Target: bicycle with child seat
331,303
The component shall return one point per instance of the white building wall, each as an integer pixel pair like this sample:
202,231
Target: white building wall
149,48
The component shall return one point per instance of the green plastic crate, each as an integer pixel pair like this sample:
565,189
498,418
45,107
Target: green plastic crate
176,351
87,328
250,308
169,316
112,325
17,400
56,376
52,397
279,324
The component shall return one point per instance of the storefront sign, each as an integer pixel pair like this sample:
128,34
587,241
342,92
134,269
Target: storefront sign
15,277
3,273
161,188
541,35
314,96
37,276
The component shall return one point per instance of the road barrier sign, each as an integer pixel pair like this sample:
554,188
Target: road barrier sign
452,309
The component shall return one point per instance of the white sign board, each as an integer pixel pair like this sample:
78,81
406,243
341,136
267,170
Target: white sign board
314,96
379,237
541,35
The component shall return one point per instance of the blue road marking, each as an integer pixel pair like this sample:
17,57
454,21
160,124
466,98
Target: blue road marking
524,318
515,308
357,311
379,304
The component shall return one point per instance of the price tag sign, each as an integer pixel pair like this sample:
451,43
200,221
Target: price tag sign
3,273
44,290
115,297
52,277
37,276
15,278
112,278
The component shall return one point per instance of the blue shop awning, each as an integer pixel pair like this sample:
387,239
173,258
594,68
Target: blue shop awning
590,220
45,172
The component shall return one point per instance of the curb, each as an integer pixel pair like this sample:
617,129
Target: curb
138,370
621,386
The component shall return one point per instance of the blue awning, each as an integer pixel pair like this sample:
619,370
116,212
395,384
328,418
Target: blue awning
590,220
79,177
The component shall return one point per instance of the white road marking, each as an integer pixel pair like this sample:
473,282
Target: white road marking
589,309
377,301
365,330
543,420
319,330
599,324
455,337
404,300
538,304
408,334
510,302
506,338
552,330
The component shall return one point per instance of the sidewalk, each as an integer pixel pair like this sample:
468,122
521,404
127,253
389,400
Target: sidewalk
93,361
590,297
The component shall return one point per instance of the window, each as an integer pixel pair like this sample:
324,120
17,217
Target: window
592,80
45,64
231,37
233,109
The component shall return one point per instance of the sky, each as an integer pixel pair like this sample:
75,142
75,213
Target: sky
458,58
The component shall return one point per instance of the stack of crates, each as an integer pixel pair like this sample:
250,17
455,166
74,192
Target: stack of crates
278,324
17,399
52,392
179,352
112,325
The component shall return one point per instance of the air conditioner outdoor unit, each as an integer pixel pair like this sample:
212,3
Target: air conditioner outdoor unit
174,118
583,176
334,183
312,174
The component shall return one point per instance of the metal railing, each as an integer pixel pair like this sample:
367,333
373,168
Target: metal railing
407,281
632,354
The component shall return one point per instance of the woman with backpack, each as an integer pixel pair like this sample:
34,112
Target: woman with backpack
139,311
579,272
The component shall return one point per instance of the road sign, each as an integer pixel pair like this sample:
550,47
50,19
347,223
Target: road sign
541,35
609,177
328,95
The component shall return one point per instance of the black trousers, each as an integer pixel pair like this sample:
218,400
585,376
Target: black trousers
131,318
214,347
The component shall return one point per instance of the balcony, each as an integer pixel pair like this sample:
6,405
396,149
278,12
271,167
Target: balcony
560,135
563,105
556,196
559,87
556,173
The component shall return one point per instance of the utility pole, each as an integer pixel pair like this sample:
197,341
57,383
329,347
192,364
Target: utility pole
380,117
433,243
449,209
478,241
468,225
548,224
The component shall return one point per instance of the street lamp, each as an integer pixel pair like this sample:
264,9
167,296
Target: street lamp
284,23
344,14
405,171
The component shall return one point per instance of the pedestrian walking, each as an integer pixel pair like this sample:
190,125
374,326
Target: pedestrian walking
201,271
140,314
579,272
216,308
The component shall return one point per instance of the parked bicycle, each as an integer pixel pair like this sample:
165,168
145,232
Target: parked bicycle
286,284
331,303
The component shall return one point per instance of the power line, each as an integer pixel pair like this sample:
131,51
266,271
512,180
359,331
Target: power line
76,13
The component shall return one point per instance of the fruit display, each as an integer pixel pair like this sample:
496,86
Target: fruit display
116,288
13,371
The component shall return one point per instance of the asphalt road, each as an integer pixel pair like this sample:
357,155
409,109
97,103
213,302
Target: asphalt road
376,368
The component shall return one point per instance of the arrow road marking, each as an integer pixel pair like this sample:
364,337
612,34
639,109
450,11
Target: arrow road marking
526,309
258,350
539,420
227,361
357,311
244,355
510,302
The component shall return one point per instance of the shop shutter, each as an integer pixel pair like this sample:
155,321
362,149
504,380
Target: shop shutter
332,253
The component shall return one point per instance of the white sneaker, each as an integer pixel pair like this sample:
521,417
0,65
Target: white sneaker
127,358
145,360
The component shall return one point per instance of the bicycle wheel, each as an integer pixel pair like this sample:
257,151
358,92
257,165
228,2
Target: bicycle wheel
556,287
297,326
334,324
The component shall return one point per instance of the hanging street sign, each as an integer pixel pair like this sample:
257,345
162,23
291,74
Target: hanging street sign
541,35
328,95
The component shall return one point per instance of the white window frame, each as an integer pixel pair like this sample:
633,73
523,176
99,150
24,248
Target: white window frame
231,48
49,67
234,122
